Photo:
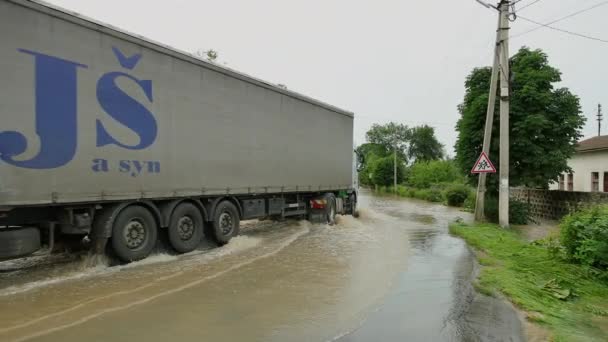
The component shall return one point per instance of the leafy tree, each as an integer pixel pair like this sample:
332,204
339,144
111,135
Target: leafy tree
367,154
545,123
369,150
383,172
390,136
423,145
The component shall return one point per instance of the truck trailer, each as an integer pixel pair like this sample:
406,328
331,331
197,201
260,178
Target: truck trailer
116,139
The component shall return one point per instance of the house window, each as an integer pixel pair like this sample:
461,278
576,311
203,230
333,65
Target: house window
595,181
570,182
605,181
561,182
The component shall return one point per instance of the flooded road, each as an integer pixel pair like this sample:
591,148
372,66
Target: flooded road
394,274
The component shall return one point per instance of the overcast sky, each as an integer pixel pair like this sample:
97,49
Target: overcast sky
385,60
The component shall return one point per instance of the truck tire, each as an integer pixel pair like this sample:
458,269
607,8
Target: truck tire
352,200
330,208
18,242
225,222
186,228
134,233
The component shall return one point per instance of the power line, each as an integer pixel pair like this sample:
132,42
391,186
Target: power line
418,123
560,19
562,30
528,5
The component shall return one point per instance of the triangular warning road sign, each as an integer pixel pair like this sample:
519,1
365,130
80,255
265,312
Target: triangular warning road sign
483,165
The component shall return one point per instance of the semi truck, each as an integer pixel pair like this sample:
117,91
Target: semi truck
112,139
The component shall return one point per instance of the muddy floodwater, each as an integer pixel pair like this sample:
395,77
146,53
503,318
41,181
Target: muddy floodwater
394,274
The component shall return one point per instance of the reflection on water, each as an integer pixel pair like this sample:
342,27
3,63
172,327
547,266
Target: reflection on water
388,275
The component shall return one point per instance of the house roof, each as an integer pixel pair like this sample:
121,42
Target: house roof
593,144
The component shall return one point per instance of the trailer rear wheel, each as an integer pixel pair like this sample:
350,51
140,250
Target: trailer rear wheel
225,222
186,228
134,233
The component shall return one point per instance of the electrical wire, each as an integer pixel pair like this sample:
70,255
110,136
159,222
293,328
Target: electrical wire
560,19
528,5
561,30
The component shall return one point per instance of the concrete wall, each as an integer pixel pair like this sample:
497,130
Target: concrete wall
583,165
553,205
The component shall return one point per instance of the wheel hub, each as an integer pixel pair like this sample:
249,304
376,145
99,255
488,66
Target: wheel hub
134,234
226,223
185,228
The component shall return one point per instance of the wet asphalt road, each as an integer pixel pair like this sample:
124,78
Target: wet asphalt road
394,274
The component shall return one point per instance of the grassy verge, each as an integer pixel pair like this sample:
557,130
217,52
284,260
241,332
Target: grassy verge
567,299
436,194
431,195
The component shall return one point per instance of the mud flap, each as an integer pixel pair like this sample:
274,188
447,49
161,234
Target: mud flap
317,216
102,227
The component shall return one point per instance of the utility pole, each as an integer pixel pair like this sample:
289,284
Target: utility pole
487,135
503,195
500,69
395,166
600,118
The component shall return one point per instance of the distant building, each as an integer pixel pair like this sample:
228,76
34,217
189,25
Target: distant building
589,166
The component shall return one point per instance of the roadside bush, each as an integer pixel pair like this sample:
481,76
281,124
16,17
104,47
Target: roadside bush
411,192
584,235
383,171
434,195
420,193
518,211
431,195
469,203
456,194
423,175
402,191
553,246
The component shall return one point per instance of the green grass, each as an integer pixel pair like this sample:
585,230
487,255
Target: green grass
533,279
432,195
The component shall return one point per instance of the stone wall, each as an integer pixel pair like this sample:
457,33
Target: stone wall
553,204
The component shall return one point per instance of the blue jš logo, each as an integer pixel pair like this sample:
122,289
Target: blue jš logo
56,116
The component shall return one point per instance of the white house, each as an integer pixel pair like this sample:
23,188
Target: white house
590,167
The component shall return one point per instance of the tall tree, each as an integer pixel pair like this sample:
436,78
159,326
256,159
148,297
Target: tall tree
390,136
384,172
545,122
424,145
367,155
